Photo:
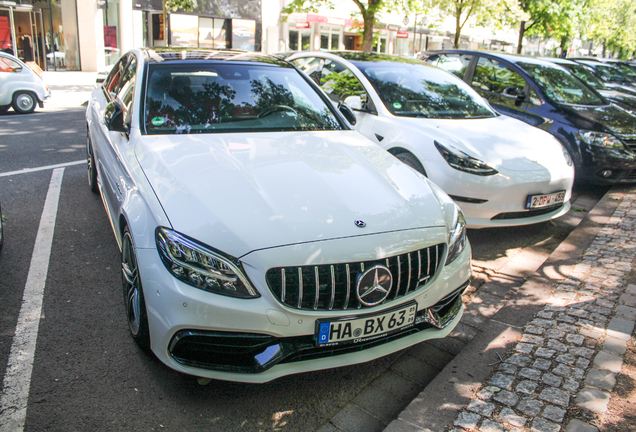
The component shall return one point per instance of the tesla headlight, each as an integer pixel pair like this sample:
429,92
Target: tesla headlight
457,240
198,265
600,139
464,162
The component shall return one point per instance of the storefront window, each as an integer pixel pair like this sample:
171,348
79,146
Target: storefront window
184,30
303,37
60,40
244,34
111,33
213,33
329,38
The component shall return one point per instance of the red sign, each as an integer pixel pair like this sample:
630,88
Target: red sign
402,35
5,33
110,36
302,25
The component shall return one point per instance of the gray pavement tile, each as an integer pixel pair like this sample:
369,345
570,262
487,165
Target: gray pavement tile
353,419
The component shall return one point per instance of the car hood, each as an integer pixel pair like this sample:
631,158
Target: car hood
502,142
608,118
248,191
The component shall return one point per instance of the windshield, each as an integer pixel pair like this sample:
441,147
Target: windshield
609,73
560,85
218,98
626,71
587,76
413,90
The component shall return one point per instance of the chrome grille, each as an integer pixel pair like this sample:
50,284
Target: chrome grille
332,286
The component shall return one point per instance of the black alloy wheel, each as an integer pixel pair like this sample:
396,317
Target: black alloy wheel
90,164
133,293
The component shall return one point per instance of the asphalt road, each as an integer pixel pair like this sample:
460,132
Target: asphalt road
88,374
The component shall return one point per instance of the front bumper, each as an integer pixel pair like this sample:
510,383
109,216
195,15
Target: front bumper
609,166
258,340
251,353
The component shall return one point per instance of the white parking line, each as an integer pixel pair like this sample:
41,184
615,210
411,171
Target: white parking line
44,168
17,379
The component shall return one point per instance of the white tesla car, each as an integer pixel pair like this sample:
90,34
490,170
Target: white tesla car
261,235
499,170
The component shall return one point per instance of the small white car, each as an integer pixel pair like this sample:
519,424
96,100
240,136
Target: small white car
500,171
261,235
20,87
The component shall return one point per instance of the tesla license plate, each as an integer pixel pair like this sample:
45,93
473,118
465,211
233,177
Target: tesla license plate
545,200
366,328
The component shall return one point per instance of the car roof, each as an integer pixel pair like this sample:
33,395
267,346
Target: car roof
558,60
361,56
187,55
512,58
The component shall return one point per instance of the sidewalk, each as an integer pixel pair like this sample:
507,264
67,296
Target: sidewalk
547,359
68,89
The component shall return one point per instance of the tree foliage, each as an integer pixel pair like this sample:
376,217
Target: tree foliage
495,13
368,10
173,5
611,23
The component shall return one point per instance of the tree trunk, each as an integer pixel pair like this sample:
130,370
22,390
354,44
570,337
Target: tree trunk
604,49
458,28
564,47
522,30
165,24
367,35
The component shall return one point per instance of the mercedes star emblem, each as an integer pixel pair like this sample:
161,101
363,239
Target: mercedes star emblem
374,285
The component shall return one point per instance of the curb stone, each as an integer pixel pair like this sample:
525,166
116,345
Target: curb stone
579,331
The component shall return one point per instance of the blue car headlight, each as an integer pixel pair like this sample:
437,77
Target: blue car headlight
198,265
600,139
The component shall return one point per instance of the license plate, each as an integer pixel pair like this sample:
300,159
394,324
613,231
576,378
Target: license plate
362,329
538,201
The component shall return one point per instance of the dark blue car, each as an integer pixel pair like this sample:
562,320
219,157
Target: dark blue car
600,136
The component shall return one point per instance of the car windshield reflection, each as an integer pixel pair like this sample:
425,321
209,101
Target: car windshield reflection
411,90
561,86
238,98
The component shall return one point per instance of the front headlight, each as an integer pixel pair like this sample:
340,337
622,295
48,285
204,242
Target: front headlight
600,139
457,240
464,162
198,265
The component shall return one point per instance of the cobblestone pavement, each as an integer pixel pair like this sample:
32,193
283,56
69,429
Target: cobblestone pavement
560,374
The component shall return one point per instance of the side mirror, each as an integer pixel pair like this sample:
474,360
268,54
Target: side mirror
114,117
347,113
354,102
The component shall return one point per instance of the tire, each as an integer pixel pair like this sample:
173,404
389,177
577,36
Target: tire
90,165
24,102
412,161
133,293
1,231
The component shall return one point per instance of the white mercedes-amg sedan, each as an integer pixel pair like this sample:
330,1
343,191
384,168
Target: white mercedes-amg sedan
499,170
260,234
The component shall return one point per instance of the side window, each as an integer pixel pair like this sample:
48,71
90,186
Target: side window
495,77
9,65
340,83
534,99
453,63
127,83
114,77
